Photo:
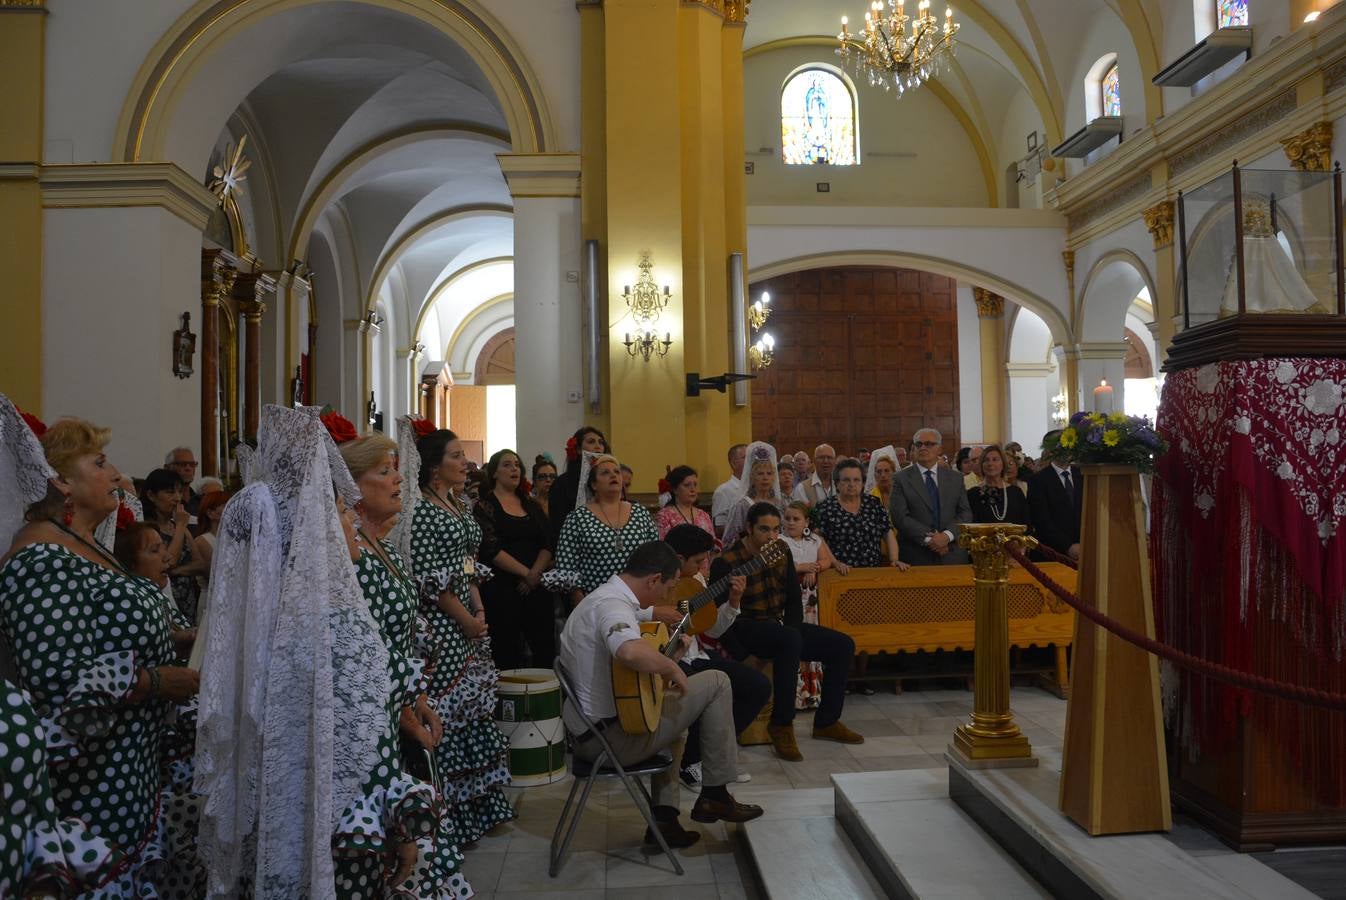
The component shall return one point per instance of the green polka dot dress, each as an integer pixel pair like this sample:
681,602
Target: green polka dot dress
473,756
595,549
40,853
78,632
393,807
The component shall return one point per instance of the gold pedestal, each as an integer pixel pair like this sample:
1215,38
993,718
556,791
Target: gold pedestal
990,737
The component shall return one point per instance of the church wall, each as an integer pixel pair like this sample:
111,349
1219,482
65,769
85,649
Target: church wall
1271,20
969,369
1020,118
945,170
1106,35
116,282
548,35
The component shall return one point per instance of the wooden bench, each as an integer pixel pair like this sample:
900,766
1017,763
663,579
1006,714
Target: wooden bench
932,608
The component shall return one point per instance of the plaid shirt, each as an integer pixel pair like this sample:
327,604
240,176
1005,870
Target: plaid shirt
771,595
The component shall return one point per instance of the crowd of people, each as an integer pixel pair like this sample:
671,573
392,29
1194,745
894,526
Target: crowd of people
287,689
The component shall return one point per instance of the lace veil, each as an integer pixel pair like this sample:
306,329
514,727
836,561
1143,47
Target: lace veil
294,681
409,463
758,451
24,472
887,453
582,493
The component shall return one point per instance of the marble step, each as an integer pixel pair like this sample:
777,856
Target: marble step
920,845
807,857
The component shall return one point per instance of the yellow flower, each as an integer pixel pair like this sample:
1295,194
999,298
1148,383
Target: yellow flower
1112,437
1096,418
1117,418
1069,438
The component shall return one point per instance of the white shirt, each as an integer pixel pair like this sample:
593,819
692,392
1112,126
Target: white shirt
595,631
1062,472
723,501
821,492
723,620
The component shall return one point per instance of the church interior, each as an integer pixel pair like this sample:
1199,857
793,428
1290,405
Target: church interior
691,226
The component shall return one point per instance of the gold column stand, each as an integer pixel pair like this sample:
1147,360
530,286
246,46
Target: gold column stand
990,739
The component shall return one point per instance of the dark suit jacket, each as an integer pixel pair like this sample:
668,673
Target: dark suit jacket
914,519
1055,520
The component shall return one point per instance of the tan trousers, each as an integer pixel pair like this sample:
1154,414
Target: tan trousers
708,699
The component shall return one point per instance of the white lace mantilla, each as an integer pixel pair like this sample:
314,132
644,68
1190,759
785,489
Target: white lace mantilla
24,472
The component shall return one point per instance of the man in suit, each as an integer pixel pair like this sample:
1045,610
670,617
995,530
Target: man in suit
929,506
1055,498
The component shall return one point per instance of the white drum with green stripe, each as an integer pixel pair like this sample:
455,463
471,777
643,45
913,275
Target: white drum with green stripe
528,713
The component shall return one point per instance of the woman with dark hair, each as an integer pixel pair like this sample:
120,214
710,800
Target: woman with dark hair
161,496
565,492
544,479
516,540
681,509
444,542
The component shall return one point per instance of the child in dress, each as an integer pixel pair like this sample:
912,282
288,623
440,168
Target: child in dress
811,557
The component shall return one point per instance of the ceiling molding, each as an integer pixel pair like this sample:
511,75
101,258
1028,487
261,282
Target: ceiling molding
392,254
329,188
541,174
209,25
444,285
474,329
111,185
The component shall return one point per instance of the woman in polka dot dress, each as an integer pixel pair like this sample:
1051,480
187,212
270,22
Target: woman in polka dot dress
92,648
392,596
599,535
444,540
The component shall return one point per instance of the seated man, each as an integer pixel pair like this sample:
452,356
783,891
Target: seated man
771,626
604,626
750,688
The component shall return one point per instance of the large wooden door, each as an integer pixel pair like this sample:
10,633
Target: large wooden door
864,357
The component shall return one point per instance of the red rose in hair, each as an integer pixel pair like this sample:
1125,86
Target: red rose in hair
664,486
422,427
36,425
339,427
572,449
125,518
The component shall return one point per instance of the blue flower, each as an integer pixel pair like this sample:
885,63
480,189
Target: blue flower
1078,417
1146,436
1095,436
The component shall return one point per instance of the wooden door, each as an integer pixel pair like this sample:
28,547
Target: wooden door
864,357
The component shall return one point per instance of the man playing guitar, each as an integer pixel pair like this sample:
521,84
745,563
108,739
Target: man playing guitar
604,626
751,689
771,626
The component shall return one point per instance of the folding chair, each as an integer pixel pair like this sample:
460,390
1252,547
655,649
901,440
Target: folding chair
605,765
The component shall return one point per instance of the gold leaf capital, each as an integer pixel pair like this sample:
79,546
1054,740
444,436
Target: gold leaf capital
1159,222
1311,149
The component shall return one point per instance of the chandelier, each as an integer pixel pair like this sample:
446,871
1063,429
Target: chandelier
898,51
646,301
647,344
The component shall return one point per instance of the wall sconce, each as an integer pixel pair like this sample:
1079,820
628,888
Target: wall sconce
184,346
762,351
760,311
646,344
645,300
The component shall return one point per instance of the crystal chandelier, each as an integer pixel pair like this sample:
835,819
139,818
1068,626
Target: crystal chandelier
897,51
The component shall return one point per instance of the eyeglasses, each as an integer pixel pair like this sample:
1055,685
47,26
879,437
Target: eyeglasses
190,465
925,444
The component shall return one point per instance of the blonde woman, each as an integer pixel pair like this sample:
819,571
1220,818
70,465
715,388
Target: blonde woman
759,482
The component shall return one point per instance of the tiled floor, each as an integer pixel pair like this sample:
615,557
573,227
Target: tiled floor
904,731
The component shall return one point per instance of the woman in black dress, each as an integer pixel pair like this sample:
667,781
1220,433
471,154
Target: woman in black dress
515,541
993,500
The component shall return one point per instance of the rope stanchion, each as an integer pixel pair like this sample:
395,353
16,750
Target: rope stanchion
1294,692
1056,557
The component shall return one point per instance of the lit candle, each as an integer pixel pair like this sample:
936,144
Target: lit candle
1103,393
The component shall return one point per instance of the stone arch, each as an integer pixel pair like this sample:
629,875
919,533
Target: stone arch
1117,273
495,361
146,120
482,323
1056,322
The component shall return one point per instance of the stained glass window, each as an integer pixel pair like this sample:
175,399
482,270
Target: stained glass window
1112,93
817,120
1232,12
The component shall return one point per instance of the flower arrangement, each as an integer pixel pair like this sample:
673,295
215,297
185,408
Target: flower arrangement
1092,437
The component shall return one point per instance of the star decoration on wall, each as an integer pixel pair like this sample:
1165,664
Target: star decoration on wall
230,173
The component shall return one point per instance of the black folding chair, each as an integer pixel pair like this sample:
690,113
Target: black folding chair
605,765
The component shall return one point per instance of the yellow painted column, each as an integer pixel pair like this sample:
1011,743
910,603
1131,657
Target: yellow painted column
991,325
593,182
735,196
22,57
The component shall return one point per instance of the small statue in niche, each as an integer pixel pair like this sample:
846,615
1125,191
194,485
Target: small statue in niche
297,387
184,348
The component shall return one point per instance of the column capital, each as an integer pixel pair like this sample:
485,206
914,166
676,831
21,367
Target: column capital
1311,149
541,174
1068,260
1159,222
252,310
103,185
1102,350
989,305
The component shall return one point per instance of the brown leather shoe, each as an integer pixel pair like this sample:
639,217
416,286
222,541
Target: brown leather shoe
839,733
707,810
674,834
784,743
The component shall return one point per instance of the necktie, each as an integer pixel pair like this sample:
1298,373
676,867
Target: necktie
932,492
1070,485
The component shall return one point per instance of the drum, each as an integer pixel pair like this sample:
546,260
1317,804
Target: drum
528,714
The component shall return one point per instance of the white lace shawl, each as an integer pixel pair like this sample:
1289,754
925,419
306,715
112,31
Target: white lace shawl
886,452
409,464
582,493
293,703
106,532
24,472
736,523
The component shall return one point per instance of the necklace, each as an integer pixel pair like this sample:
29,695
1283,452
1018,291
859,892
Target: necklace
618,542
448,502
377,548
997,514
686,518
92,546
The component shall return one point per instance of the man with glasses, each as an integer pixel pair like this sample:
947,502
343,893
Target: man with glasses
819,486
182,461
929,506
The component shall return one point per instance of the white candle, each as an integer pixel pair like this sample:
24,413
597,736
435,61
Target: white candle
1102,396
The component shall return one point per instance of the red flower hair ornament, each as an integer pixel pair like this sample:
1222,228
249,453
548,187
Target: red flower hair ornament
572,449
125,517
36,425
339,427
423,427
664,486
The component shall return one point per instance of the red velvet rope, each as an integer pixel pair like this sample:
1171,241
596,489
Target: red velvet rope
1056,557
1196,664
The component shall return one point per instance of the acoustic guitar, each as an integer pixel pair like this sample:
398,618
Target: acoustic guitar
639,696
